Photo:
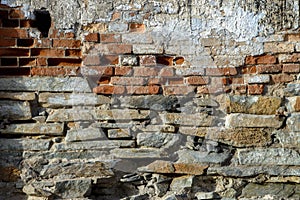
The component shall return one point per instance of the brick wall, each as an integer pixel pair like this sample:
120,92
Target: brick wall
144,103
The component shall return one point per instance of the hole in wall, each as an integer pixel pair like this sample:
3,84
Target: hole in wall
43,21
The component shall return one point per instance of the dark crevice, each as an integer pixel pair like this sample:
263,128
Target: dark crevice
43,21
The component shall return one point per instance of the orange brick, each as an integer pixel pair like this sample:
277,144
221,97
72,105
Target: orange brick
14,52
123,71
266,59
172,81
41,61
27,23
64,62
110,38
282,78
97,71
101,60
239,89
228,71
43,43
197,80
73,52
67,43
146,71
109,89
7,42
153,89
69,35
47,52
291,68
104,80
16,14
293,37
266,69
256,89
111,49
53,71
13,33
179,60
249,70
27,62
167,72
134,27
92,37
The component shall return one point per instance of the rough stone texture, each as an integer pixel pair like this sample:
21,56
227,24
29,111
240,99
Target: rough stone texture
253,105
294,104
23,96
293,122
34,128
15,110
45,84
84,134
158,140
24,144
252,121
198,119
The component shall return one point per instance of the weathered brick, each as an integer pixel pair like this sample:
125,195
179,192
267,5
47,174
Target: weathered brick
127,81
165,60
279,47
67,43
152,89
47,52
146,60
268,69
14,52
53,71
289,58
109,89
92,37
282,78
147,49
73,52
69,35
248,70
97,71
27,23
123,71
228,71
75,62
266,59
167,72
110,38
257,79
178,90
134,27
41,61
16,14
179,60
239,89
43,43
111,49
27,62
146,71
197,80
256,89
101,60
291,68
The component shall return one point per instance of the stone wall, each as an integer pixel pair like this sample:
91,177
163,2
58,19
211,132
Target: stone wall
188,99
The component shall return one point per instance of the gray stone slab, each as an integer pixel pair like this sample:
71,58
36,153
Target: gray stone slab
293,122
15,110
24,144
84,134
198,119
23,96
34,128
45,84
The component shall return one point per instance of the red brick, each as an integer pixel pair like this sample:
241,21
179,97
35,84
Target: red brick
172,81
53,71
127,81
110,38
249,70
167,72
256,89
25,42
27,23
14,52
179,60
282,78
146,71
92,37
16,71
47,52
11,23
64,62
290,58
147,60
267,69
16,14
134,27
73,52
104,80
13,33
53,33
250,60
165,60
197,80
153,89
101,60
155,81
7,42
123,71
178,90
239,80
41,61
109,89
221,71
291,68
266,59
27,62
67,43
9,62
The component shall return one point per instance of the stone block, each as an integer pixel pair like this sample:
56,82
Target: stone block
158,167
23,96
287,138
292,89
269,156
293,104
125,60
14,110
119,133
34,128
157,140
257,79
73,188
45,84
54,100
293,122
238,120
191,169
198,119
137,38
147,49
24,144
139,153
84,134
181,183
259,105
